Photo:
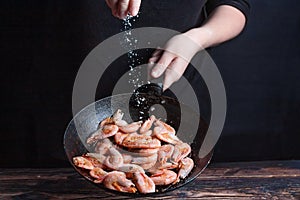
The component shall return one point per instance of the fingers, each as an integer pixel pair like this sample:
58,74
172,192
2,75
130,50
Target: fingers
155,56
173,72
134,7
113,5
172,66
123,8
162,64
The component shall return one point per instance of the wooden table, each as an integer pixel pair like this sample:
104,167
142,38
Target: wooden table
244,180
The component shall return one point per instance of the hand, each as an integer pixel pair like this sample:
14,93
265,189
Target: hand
121,8
223,24
173,59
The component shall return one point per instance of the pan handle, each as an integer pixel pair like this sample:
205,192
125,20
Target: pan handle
150,89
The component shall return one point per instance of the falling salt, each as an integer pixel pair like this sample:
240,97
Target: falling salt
129,43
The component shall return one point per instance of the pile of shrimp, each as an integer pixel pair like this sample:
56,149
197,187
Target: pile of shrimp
137,156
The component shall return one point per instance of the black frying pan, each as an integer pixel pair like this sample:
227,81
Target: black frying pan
86,121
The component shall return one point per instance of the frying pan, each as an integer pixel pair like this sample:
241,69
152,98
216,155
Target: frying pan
86,122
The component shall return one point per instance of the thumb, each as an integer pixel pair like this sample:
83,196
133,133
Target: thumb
173,72
134,7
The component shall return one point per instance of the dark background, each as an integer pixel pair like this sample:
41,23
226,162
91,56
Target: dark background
43,44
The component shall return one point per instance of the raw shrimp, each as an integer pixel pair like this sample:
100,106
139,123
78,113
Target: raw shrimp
135,140
147,166
168,165
83,162
130,168
106,121
159,166
103,132
163,177
130,128
96,157
102,146
118,115
145,152
109,130
114,158
119,137
117,118
165,126
147,124
88,161
120,162
149,133
117,181
164,153
185,167
166,136
144,159
99,174
143,183
126,158
181,150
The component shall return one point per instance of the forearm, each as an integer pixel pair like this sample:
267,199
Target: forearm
223,24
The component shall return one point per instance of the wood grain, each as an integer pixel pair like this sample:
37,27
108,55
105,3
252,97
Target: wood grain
245,180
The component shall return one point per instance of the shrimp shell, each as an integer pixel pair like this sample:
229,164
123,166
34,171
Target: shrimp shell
130,128
99,174
117,181
144,159
135,140
164,153
180,151
147,124
163,177
185,167
114,158
143,183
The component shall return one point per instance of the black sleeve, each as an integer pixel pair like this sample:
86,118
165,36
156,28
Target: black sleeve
242,5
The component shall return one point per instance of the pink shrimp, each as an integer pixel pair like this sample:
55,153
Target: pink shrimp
166,136
185,167
147,124
130,168
114,158
117,181
117,118
126,158
135,141
145,152
181,150
130,128
99,174
83,162
165,126
144,159
164,153
103,132
102,146
143,183
163,177
119,137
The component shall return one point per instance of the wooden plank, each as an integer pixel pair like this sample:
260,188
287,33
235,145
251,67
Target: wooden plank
250,180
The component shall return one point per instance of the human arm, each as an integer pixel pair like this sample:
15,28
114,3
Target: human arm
224,23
